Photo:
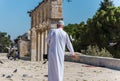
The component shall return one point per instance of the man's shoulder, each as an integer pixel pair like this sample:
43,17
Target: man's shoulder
65,32
52,30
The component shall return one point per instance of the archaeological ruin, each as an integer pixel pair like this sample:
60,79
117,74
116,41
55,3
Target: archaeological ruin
43,18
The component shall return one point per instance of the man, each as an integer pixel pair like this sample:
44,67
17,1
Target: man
57,40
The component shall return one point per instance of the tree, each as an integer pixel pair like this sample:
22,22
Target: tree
105,4
101,30
109,29
4,41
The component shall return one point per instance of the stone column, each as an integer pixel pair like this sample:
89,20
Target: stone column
39,46
34,19
46,46
33,24
41,49
41,16
33,44
37,19
36,45
44,42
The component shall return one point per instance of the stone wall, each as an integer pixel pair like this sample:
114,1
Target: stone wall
95,60
24,47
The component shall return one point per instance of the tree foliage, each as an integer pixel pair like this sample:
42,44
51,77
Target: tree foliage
4,41
101,30
105,4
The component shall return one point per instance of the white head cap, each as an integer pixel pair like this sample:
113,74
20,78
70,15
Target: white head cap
60,22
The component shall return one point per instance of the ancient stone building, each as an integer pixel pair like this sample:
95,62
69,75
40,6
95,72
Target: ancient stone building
23,44
44,17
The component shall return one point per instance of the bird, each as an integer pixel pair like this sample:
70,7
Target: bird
45,62
1,62
69,0
25,75
15,71
3,75
8,76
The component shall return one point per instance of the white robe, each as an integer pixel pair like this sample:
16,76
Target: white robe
57,40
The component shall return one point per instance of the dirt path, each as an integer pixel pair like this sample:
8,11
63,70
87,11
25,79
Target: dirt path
21,70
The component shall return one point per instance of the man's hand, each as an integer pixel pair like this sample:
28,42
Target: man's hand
75,57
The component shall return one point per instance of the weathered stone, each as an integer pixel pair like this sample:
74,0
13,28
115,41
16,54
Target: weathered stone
44,17
23,47
23,44
95,60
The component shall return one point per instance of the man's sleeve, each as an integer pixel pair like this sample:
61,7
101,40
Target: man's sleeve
69,45
49,37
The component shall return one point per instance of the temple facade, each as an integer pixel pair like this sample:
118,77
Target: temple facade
43,18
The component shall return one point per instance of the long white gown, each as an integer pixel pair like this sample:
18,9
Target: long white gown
57,40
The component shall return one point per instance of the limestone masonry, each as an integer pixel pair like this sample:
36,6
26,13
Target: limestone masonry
44,17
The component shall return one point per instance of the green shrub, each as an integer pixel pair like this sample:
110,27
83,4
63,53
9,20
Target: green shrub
96,51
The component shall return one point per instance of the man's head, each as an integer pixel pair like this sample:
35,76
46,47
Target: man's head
60,24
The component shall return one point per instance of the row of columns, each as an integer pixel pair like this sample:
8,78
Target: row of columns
43,17
38,45
41,14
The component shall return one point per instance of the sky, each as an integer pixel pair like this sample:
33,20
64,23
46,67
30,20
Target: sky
15,20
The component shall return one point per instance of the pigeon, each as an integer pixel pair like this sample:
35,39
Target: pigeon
1,62
45,62
25,75
3,75
15,71
9,76
45,75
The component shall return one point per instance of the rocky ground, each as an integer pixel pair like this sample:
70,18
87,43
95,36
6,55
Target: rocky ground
22,70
